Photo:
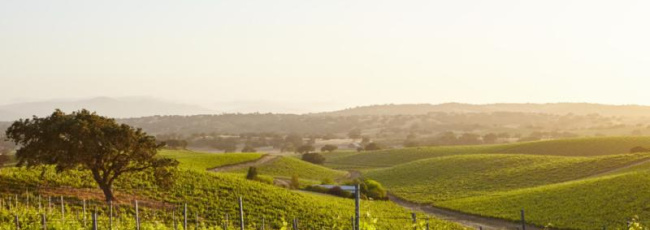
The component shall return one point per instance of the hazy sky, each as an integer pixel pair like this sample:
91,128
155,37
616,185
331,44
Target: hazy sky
331,53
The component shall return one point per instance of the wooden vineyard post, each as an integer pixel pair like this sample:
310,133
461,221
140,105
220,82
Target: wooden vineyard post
95,219
227,222
295,223
110,215
352,222
357,204
62,210
414,217
137,216
43,221
262,223
17,222
84,212
241,213
523,219
185,217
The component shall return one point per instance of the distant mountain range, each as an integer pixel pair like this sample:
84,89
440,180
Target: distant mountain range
133,107
111,107
554,108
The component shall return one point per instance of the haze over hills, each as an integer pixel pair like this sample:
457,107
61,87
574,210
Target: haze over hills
133,107
551,108
111,107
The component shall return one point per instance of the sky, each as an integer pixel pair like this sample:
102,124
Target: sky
323,55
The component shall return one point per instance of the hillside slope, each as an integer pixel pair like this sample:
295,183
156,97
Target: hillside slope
597,146
289,166
595,203
209,196
453,177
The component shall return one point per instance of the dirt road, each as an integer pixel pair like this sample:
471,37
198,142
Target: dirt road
263,160
468,220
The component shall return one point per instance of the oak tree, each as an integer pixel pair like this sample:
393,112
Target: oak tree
87,141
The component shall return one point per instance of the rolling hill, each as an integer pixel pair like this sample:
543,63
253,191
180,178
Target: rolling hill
596,146
286,167
552,108
453,177
609,201
209,196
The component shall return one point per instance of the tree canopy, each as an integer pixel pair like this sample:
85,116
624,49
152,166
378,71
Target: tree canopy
87,141
329,148
305,149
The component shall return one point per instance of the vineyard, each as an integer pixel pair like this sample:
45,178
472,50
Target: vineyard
609,201
454,177
587,183
211,199
288,166
204,161
570,147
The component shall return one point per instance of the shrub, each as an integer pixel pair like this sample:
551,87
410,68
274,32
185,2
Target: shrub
252,173
248,149
329,148
314,158
338,191
374,190
295,182
372,146
305,149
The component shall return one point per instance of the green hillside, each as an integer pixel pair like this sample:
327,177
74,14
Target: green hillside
209,195
453,177
599,146
289,166
588,204
204,161
579,147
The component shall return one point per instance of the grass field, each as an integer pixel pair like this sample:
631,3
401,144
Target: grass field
204,161
571,147
288,166
209,195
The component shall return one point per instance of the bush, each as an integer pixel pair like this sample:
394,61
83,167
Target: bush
318,189
252,173
314,158
372,146
329,148
295,182
338,191
374,190
370,189
305,149
248,149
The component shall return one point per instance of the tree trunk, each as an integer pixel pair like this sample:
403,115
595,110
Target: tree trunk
108,192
